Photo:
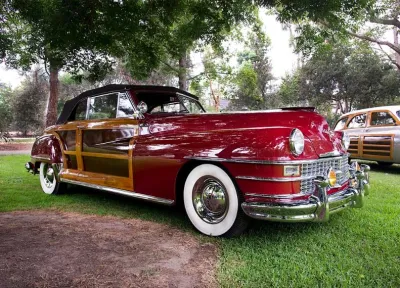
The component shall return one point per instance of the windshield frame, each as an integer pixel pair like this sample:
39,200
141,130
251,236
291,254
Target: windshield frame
180,96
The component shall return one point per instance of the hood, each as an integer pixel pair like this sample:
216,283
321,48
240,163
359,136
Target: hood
311,124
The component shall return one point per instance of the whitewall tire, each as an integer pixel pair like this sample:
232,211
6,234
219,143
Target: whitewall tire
212,202
48,180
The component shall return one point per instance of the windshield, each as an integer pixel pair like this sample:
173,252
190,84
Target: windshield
191,105
170,103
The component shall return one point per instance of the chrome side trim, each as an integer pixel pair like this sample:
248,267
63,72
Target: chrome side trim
275,179
330,154
39,158
263,162
276,196
121,192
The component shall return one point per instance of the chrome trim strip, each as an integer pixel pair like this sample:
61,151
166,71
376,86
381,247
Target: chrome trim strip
330,154
264,162
276,196
288,196
41,158
275,179
122,192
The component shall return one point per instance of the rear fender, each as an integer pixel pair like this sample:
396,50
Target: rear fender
47,148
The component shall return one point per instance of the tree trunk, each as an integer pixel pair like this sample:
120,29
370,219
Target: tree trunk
215,97
182,72
396,42
51,116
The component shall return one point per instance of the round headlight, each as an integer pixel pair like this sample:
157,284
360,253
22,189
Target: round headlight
345,140
296,142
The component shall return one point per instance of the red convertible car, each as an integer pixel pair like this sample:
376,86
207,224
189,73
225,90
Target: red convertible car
158,144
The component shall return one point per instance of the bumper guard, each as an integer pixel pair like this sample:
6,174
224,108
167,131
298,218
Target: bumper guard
320,205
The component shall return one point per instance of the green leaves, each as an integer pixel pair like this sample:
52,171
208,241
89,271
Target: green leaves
6,115
350,76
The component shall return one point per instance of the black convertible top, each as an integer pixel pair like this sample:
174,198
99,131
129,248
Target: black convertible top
70,105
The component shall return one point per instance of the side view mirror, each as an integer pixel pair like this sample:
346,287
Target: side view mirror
142,107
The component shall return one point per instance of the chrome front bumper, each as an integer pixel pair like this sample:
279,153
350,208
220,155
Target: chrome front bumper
319,206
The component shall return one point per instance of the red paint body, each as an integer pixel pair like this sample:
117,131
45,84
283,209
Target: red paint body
47,147
167,142
252,136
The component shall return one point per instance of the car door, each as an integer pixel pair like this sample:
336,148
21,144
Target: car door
378,140
355,128
104,143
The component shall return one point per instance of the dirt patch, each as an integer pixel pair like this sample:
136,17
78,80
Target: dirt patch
53,249
9,146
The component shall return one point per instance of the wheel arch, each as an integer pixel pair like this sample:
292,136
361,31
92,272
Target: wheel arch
187,168
48,149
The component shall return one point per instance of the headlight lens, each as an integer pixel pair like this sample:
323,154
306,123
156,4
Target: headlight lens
296,141
346,141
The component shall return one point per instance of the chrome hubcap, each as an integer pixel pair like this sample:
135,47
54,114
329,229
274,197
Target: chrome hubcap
210,199
48,175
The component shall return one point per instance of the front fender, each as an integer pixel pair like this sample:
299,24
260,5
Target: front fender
267,144
47,148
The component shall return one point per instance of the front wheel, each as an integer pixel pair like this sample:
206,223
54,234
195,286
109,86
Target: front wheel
48,180
212,202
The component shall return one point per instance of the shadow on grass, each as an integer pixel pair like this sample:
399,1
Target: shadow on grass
105,203
375,167
122,206
394,169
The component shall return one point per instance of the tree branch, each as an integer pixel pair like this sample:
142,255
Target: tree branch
393,22
170,67
390,58
377,41
196,76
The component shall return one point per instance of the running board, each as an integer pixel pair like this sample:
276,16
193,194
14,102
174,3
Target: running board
121,192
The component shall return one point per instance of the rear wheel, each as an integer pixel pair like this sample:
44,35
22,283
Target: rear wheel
48,180
212,202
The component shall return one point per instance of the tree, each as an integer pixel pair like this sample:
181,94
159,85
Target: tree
253,89
347,77
29,102
84,35
5,108
246,95
367,20
71,87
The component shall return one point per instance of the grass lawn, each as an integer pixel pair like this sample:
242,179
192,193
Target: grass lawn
356,248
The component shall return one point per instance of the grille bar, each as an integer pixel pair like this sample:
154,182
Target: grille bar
319,168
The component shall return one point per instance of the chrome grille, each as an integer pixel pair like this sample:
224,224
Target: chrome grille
320,167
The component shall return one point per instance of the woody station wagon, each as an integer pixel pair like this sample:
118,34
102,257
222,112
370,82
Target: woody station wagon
158,144
374,134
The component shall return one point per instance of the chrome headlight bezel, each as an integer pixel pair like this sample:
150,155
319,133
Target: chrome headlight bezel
345,141
296,142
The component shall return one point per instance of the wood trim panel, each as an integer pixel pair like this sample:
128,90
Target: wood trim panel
124,183
105,155
79,150
373,145
98,179
368,120
351,116
385,125
130,160
62,146
365,154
